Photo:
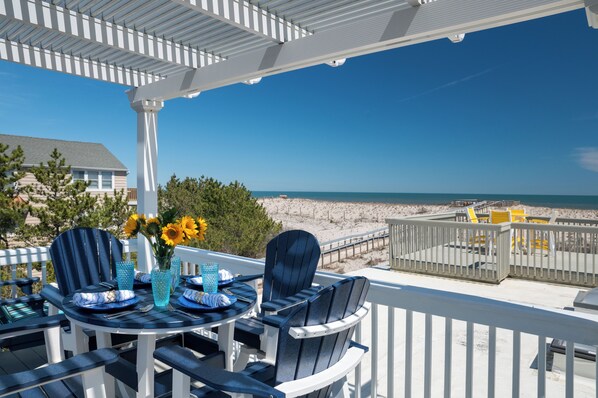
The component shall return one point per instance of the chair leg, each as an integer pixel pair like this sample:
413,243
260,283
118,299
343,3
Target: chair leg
93,383
242,359
181,384
54,350
340,389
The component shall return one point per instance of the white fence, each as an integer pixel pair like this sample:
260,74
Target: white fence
564,252
431,343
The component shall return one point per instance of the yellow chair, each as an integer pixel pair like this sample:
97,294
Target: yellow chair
499,217
518,215
544,240
473,218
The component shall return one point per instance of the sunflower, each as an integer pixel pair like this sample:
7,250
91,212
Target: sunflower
202,228
189,227
132,226
172,234
152,226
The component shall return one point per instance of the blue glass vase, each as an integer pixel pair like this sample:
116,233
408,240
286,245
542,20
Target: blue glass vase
161,281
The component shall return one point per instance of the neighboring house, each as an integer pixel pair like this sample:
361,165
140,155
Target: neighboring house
89,162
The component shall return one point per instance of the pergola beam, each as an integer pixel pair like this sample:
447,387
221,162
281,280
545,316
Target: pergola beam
385,31
59,62
244,15
45,15
592,13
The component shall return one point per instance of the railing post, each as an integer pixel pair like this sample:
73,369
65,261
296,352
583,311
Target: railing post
503,251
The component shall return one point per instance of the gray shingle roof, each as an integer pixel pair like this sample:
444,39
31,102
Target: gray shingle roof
87,155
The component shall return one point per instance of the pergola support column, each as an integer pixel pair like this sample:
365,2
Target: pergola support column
147,171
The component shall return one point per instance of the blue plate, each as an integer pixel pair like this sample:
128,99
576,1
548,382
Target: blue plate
220,283
192,305
111,306
137,283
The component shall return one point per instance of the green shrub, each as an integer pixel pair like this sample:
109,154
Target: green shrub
237,223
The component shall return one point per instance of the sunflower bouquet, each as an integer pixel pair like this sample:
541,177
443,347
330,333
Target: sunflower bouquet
165,232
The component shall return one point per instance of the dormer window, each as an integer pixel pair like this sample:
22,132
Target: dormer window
98,180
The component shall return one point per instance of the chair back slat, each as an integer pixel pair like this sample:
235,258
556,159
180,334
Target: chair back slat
291,261
471,216
318,315
299,358
498,217
84,256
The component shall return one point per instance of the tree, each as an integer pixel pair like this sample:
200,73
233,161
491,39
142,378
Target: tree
57,201
12,208
112,213
237,223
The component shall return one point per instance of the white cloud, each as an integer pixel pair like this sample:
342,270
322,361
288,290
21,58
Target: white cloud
588,158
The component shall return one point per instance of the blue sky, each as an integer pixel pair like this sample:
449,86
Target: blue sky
508,110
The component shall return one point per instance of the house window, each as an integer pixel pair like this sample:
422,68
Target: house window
106,180
78,175
93,178
98,180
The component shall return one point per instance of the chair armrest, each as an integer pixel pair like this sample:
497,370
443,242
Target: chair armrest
31,325
53,295
15,382
185,362
25,284
291,301
537,220
20,281
248,278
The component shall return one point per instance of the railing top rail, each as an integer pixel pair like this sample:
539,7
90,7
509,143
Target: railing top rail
449,224
556,227
436,216
24,255
545,218
568,325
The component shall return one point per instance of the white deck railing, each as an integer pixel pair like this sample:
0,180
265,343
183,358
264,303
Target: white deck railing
564,252
430,343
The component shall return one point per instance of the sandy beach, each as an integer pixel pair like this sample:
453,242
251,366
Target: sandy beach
329,220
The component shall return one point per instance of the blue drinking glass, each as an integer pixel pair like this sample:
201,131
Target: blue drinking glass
175,270
125,274
209,277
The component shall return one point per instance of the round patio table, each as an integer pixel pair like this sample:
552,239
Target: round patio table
158,321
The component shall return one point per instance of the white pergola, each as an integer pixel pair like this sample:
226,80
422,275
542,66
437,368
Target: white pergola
166,49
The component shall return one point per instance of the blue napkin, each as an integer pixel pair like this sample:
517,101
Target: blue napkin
212,300
112,296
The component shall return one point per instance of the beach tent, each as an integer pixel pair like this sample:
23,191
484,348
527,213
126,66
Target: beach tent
166,49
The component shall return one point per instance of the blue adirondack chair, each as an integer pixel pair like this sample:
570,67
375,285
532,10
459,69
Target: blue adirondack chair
291,261
14,309
314,350
82,257
69,378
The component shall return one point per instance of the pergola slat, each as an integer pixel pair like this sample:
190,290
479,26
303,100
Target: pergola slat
248,17
81,26
52,60
431,21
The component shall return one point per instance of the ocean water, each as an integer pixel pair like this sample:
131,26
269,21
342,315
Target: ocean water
554,201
